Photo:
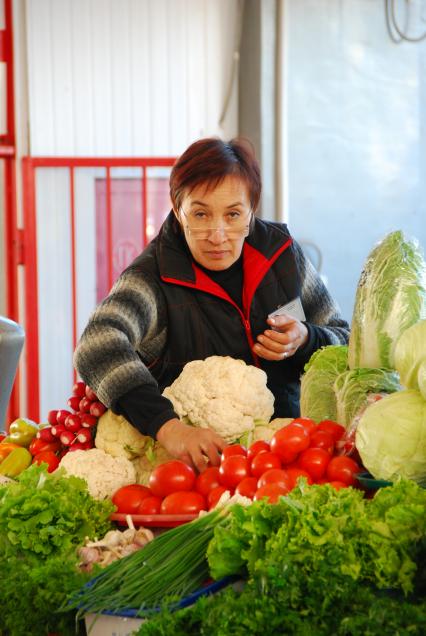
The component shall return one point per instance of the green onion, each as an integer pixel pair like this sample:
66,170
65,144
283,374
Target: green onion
171,566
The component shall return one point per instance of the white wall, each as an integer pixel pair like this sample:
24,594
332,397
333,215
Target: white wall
354,133
128,77
111,78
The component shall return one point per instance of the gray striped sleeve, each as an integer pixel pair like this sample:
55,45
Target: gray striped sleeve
107,355
320,308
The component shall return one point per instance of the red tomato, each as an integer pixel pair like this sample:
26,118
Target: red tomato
207,480
342,469
256,448
2,437
322,439
183,503
149,506
173,476
271,491
306,422
289,441
336,430
38,446
48,457
247,487
314,461
233,470
128,498
275,476
263,462
214,495
338,484
233,449
294,474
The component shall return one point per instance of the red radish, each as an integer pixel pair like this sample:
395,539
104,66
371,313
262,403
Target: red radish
84,405
91,394
45,434
97,409
79,389
74,402
73,423
51,417
83,435
62,416
88,445
58,429
67,438
87,420
76,446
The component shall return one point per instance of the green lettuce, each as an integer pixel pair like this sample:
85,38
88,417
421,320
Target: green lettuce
353,387
317,398
410,357
391,437
391,296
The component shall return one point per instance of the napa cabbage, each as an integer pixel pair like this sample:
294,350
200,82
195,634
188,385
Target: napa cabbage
353,387
410,357
390,297
317,398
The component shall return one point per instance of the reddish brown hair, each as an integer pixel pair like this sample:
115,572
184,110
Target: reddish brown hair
208,161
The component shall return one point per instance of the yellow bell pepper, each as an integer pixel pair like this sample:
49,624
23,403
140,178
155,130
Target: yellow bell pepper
17,461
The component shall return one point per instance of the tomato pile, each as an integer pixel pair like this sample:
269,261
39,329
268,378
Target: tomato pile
68,430
300,449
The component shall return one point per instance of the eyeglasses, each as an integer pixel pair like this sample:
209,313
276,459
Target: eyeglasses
234,228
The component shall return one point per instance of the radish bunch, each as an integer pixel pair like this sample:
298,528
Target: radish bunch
74,429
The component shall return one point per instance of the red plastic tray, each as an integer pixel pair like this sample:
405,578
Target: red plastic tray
153,521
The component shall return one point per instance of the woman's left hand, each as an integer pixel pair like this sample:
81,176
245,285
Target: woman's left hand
287,335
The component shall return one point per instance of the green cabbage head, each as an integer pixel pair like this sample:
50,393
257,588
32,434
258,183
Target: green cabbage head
391,296
410,357
391,437
317,398
353,387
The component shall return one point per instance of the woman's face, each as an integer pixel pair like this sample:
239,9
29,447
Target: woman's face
215,222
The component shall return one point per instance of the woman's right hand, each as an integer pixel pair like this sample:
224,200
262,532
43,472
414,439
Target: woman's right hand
192,445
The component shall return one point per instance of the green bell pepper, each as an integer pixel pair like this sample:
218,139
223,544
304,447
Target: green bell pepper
22,431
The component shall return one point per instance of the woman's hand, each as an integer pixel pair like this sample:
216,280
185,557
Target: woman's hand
191,445
287,335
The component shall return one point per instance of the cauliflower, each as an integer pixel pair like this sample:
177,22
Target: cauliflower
103,473
265,431
223,394
144,465
117,437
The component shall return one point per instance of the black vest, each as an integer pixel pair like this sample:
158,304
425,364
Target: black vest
203,320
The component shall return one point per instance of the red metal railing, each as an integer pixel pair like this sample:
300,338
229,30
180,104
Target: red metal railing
29,167
7,156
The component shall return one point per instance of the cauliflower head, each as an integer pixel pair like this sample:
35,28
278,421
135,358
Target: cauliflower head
144,465
117,437
265,432
222,393
103,473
